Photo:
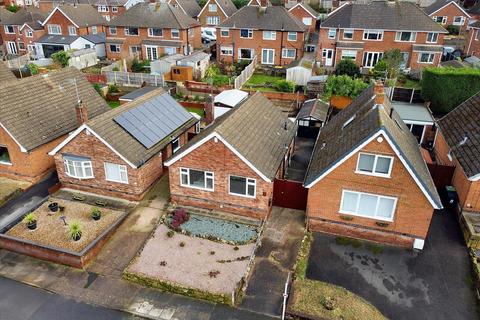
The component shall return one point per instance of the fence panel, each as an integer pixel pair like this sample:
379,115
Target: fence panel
245,74
406,95
133,79
18,62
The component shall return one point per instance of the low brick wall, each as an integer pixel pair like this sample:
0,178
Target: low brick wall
359,232
96,78
189,104
57,255
205,87
288,96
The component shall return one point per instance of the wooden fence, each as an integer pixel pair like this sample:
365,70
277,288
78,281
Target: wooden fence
18,62
133,79
286,96
442,175
245,74
406,95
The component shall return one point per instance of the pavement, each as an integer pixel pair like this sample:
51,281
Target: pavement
300,158
275,258
435,283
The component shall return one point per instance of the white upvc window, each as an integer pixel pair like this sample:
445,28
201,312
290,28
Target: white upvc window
226,51
115,48
94,30
155,32
332,33
9,29
175,145
72,31
112,30
102,8
426,57
175,33
349,54
405,36
269,35
307,21
268,56
28,33
224,33
80,168
114,9
131,31
241,186
246,53
289,53
197,179
116,172
197,127
374,164
54,29
212,7
213,20
440,19
459,21
348,34
292,36
246,33
368,205
374,35
432,37
370,59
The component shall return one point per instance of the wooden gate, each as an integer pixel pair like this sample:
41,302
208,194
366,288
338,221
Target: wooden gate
289,194
442,175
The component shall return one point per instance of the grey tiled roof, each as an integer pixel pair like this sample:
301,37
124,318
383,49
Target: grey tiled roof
314,108
57,39
436,5
95,38
256,129
4,14
114,40
39,109
398,15
350,44
90,2
228,6
273,18
463,121
154,15
124,143
5,73
84,15
137,93
31,16
426,47
191,7
310,9
336,141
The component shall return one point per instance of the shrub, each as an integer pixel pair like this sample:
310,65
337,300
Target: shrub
180,216
344,86
116,69
347,67
75,230
139,65
61,58
95,213
454,30
239,3
97,88
113,88
196,98
182,244
446,88
29,218
13,8
33,68
285,86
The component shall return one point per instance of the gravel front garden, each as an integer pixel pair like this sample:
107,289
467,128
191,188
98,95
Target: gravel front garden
52,231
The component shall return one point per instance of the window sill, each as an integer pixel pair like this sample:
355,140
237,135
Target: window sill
242,195
83,178
122,182
197,188
6,163
374,174
377,219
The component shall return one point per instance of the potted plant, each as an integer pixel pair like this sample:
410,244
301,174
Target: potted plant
53,206
31,221
96,214
75,231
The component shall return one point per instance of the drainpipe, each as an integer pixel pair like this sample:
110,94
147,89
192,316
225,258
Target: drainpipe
281,45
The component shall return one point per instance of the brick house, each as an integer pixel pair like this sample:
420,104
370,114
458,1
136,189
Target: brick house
151,30
72,27
367,178
231,165
363,32
448,12
21,3
4,14
306,14
472,47
121,153
189,7
36,114
271,33
215,12
457,144
21,30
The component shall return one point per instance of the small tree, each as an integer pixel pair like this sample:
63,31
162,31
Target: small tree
344,86
347,67
453,30
202,3
389,66
61,58
285,86
240,3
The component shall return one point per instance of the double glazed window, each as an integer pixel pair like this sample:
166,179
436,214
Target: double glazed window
28,33
196,179
348,34
292,36
426,57
175,33
226,51
246,54
246,33
54,29
175,145
114,48
131,31
288,53
155,32
224,33
213,20
349,54
77,167
374,164
241,186
459,21
405,36
212,7
9,29
440,19
432,37
368,205
72,31
307,21
269,35
116,172
4,155
332,33
373,35
370,59
112,30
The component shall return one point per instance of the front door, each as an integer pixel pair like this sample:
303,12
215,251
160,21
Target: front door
328,56
12,47
268,56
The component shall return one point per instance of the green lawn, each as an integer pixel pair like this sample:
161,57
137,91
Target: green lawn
405,82
261,79
198,111
113,104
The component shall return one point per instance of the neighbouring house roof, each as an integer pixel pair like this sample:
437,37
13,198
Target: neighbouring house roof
4,14
307,8
475,9
190,7
314,108
270,18
39,109
350,45
95,38
475,25
163,43
227,6
256,131
196,56
175,119
154,15
33,17
230,98
464,121
382,15
5,73
411,112
358,124
137,93
439,4
57,39
83,15
453,64
115,40
89,2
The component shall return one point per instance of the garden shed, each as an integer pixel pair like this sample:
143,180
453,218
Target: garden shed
198,60
312,116
300,71
165,64
83,58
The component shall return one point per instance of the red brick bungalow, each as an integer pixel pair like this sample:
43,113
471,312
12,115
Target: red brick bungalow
458,144
121,152
232,164
36,114
367,178
448,12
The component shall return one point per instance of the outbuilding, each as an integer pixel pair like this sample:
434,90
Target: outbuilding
311,117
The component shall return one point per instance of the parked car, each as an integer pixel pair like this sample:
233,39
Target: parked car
209,34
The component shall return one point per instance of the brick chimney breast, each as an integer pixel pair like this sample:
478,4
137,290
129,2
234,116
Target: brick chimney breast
379,92
81,113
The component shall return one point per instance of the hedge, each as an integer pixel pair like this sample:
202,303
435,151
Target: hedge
446,88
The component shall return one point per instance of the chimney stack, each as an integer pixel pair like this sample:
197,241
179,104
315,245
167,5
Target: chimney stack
209,109
81,112
379,92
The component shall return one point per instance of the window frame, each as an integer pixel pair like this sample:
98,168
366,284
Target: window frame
444,19
412,38
290,33
127,32
229,49
213,20
374,173
222,30
247,183
342,56
252,53
249,34
176,31
6,27
114,9
367,32
150,32
212,6
82,165
432,34
102,8
70,29
186,171
461,23
117,46
175,141
273,35
50,26
308,19
110,28
284,56
352,31
355,213
332,33
121,167
430,54
28,33
9,163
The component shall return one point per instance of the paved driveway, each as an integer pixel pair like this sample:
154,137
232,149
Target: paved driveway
402,284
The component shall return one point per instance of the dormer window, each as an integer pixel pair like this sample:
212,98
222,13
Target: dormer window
374,164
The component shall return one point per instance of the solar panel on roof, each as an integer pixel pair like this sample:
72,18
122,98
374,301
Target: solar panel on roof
153,120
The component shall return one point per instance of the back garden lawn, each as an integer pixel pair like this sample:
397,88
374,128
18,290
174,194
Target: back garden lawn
263,82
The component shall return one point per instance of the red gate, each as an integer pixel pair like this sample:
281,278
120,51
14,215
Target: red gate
289,194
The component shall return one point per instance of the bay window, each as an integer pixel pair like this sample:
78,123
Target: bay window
116,172
368,205
241,186
78,167
197,179
374,164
